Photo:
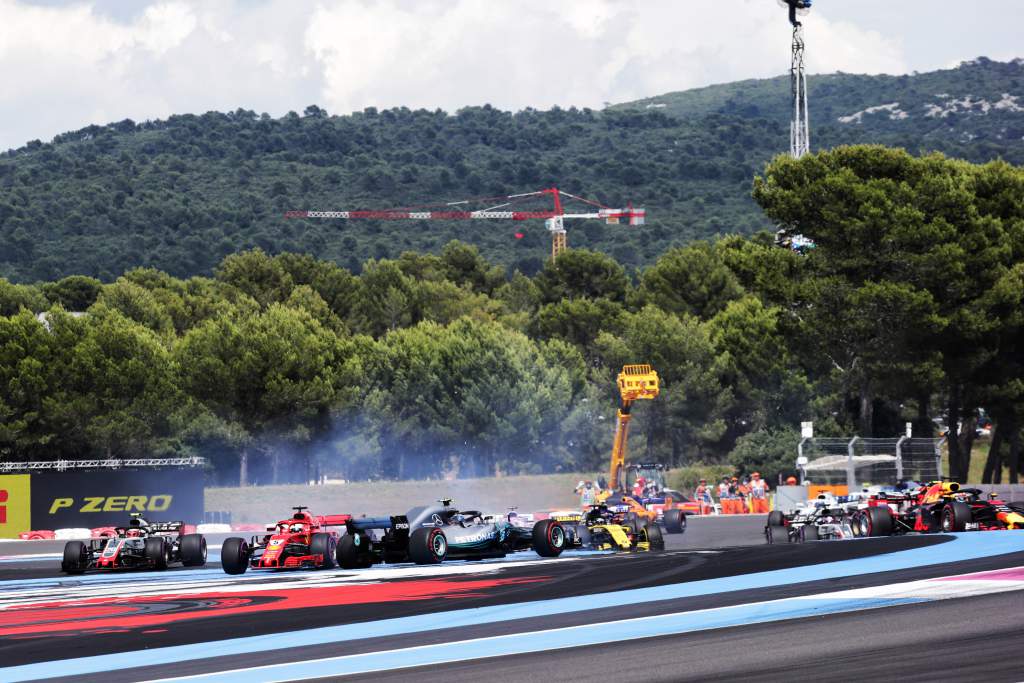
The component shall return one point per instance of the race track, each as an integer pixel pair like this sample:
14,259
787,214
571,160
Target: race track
718,603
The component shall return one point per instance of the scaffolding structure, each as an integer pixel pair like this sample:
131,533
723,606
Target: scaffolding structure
859,461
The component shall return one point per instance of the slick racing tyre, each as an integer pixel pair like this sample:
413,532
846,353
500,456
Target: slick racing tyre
428,545
808,532
776,534
74,561
193,550
675,521
548,538
776,518
234,556
325,545
956,516
354,552
652,534
156,552
876,522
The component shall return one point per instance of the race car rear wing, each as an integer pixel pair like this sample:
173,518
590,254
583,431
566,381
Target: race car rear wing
333,520
368,523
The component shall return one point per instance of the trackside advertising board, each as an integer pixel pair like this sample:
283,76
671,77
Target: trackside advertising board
91,499
15,504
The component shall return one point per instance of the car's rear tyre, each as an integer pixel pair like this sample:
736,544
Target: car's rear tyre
549,538
808,532
193,550
354,552
428,545
325,545
632,522
776,518
776,534
877,521
652,534
156,552
74,561
675,521
956,516
234,556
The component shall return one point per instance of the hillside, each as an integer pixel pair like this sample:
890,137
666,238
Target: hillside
182,193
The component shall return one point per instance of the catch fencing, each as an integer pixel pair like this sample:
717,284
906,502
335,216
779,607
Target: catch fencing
857,461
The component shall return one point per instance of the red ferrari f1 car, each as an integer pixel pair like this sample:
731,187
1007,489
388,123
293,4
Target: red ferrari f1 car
299,541
140,545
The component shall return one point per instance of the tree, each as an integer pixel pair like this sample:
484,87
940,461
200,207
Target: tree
770,452
13,298
73,293
258,275
276,374
694,280
927,238
579,273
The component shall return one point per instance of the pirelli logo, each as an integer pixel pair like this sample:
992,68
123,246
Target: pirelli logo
15,504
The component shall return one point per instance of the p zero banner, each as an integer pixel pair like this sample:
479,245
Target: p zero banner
107,497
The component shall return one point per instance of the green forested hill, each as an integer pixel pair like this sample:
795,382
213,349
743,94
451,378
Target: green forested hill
180,194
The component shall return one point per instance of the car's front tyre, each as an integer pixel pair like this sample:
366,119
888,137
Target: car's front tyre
234,556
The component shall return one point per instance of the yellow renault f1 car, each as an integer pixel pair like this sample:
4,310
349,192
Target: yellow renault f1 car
611,527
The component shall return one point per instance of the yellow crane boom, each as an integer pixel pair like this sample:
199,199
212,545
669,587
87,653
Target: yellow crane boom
636,382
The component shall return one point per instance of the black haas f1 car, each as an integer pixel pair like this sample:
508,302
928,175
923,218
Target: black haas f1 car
826,518
140,545
434,533
940,506
613,527
302,541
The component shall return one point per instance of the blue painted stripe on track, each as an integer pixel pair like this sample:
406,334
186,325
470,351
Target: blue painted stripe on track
965,546
553,639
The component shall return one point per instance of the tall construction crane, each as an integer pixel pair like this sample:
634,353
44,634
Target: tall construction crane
799,128
511,207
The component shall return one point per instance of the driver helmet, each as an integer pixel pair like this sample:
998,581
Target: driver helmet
134,533
296,528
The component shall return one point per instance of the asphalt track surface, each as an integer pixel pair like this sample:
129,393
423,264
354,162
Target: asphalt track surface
717,604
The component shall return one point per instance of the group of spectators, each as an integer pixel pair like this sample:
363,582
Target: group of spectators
736,496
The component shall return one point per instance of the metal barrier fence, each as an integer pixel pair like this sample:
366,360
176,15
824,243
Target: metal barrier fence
857,461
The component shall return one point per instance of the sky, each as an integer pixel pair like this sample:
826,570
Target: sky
68,64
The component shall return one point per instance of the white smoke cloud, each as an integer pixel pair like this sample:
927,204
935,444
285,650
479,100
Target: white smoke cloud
66,65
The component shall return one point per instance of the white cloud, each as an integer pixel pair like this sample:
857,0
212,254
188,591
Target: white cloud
65,66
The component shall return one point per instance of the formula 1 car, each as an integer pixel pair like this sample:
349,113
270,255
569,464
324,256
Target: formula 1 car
938,506
612,527
431,534
826,518
301,541
140,545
